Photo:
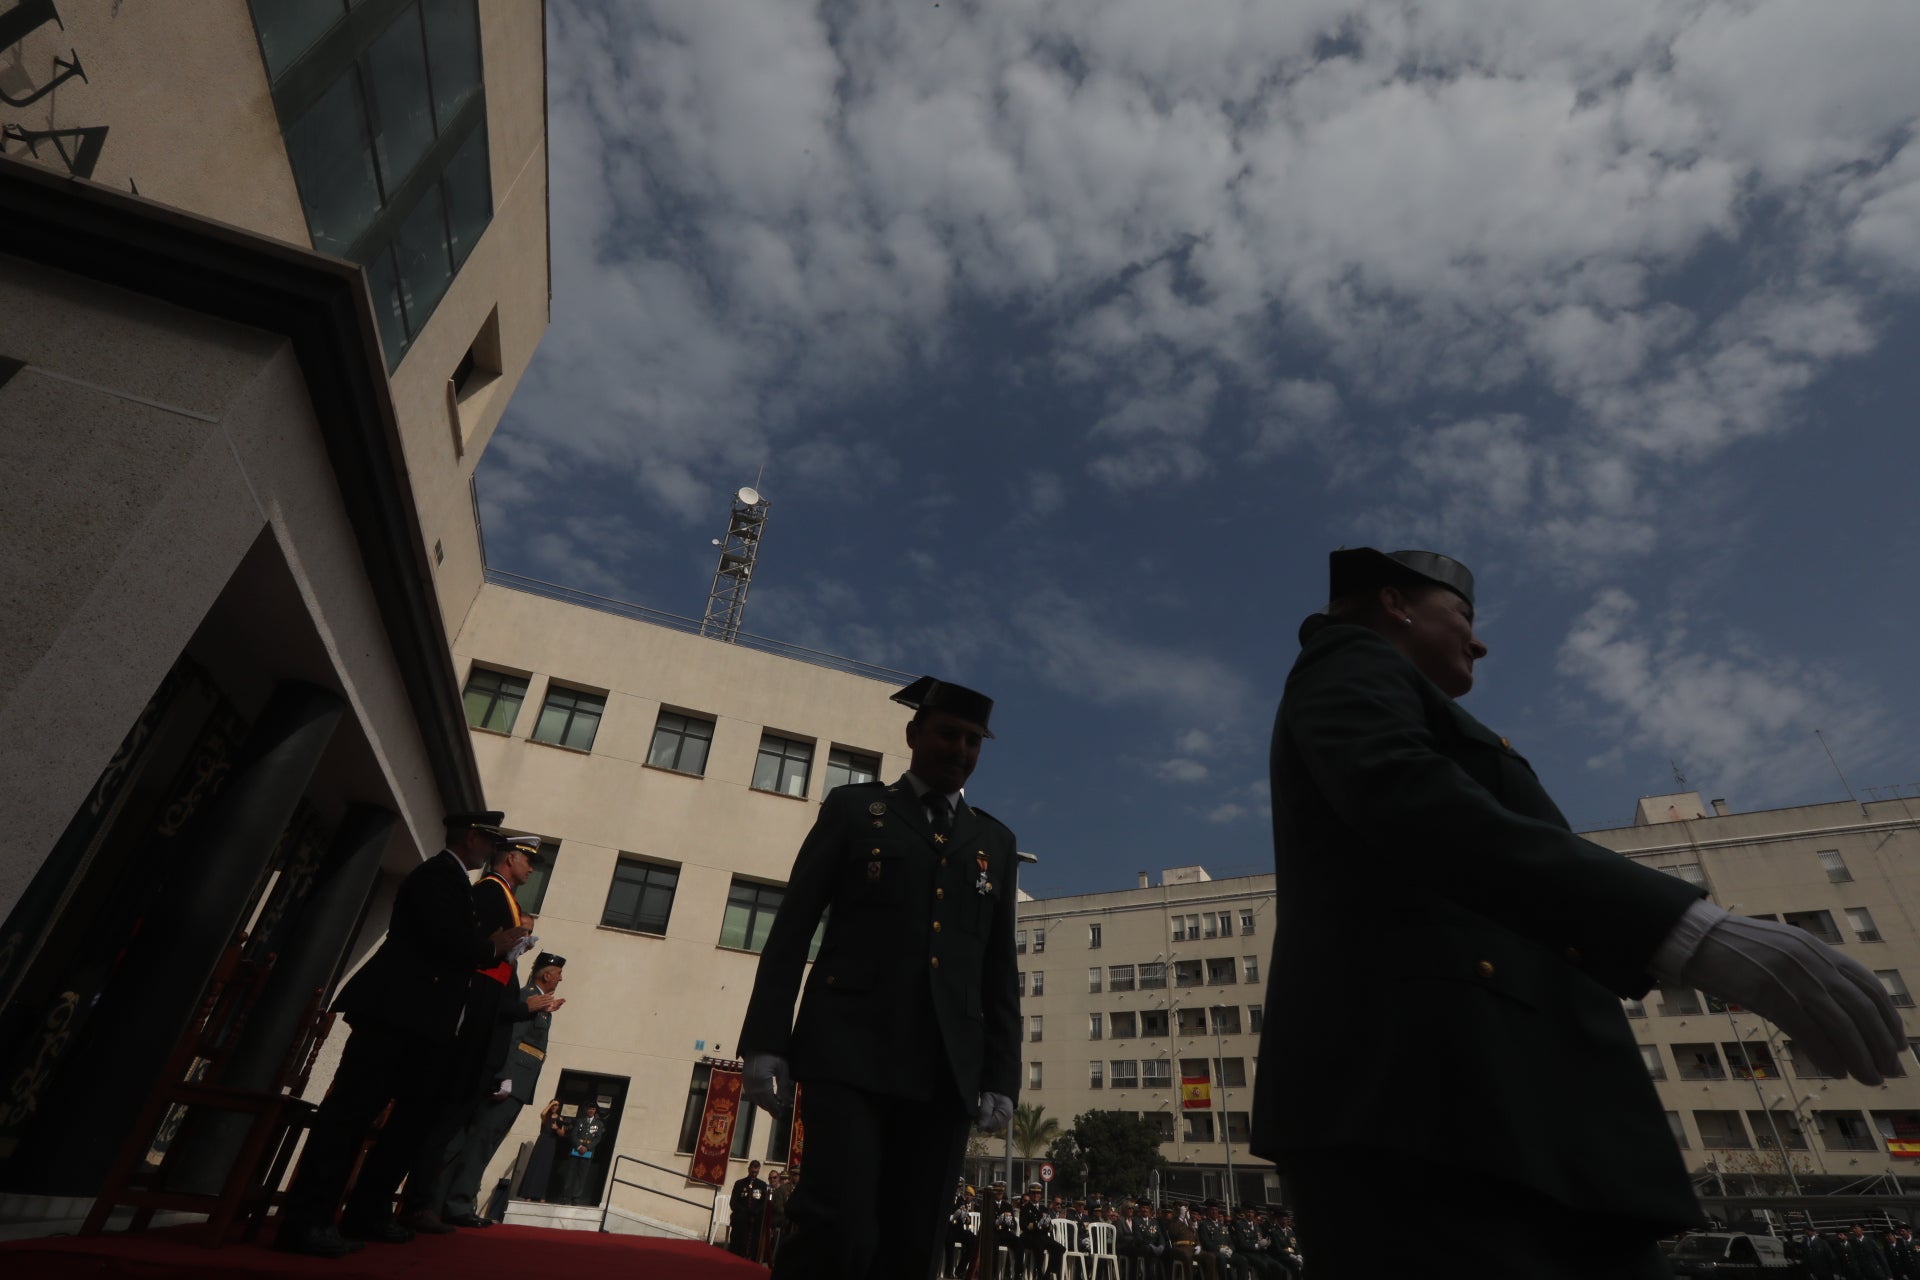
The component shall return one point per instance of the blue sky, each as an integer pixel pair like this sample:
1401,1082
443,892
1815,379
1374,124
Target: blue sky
1073,335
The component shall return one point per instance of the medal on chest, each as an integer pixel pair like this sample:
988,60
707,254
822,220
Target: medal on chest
982,886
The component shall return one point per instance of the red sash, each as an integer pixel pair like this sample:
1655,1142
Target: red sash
502,972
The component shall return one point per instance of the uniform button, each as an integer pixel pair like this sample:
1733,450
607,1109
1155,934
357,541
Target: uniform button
939,893
1484,968
943,862
876,853
829,979
1573,955
936,962
936,926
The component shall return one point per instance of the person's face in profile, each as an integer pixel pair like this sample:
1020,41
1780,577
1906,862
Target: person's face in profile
1437,636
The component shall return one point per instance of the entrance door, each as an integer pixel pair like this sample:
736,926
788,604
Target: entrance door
585,1180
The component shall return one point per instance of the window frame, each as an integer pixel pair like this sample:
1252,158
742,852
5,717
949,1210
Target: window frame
495,698
681,737
648,865
579,696
784,758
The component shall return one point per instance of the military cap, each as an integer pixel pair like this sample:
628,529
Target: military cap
487,820
928,694
548,958
530,844
1354,569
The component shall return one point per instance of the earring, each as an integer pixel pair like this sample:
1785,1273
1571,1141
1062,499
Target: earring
1406,622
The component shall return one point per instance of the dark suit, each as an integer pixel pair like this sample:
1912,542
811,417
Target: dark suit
1444,932
402,1006
469,1150
910,1013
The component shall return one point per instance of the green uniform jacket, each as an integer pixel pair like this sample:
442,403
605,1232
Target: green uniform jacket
1449,958
917,967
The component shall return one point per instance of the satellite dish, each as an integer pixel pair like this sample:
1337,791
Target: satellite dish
750,496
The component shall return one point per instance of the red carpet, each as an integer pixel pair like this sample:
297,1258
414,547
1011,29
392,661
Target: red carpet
510,1253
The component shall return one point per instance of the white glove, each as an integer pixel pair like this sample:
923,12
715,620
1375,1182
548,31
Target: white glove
994,1113
504,1091
1831,1005
766,1081
520,948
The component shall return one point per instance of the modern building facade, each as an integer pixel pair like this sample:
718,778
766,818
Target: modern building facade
267,275
1128,991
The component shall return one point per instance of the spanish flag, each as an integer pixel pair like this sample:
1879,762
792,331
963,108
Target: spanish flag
1196,1094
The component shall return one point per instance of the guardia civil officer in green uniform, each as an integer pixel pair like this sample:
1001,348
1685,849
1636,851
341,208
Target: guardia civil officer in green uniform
1445,937
909,1029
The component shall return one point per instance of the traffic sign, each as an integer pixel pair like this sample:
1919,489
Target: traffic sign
1046,1171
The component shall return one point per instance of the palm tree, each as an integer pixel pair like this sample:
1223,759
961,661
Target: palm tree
1033,1131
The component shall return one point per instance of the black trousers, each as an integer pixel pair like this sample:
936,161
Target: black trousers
878,1186
1460,1223
449,1109
379,1065
467,1155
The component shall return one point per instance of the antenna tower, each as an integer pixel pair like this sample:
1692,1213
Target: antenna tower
727,601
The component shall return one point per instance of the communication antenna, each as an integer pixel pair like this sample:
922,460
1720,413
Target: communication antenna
727,601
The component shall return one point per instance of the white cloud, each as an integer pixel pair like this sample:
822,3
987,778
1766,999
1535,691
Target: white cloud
1178,770
1221,814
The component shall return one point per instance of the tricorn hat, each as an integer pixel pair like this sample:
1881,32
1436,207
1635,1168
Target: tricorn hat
1355,569
546,958
928,694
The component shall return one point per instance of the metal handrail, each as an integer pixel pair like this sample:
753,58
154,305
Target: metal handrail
712,1207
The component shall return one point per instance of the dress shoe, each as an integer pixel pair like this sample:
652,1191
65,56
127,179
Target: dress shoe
467,1220
315,1242
426,1222
388,1232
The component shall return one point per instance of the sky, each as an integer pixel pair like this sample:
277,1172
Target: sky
1067,337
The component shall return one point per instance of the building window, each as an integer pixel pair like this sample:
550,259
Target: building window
1678,1129
1724,1130
844,768
1226,924
1020,981
1039,941
1153,1022
493,699
1153,976
743,1129
1860,920
1896,987
1246,924
1220,972
1679,1002
1845,1131
680,743
1250,969
1119,977
695,1108
1093,980
1199,1126
1691,873
1125,1025
1804,1066
1156,1073
750,911
1226,1019
1212,924
780,1142
1835,866
1238,1129
1192,1022
1162,1122
1094,1029
1093,935
1033,1075
1750,1059
1187,973
1253,1019
1650,1054
1634,1008
1033,1029
534,892
569,718
783,765
1019,942
641,898
1699,1062
1096,1074
1817,923
1039,982
1787,1124
1126,1073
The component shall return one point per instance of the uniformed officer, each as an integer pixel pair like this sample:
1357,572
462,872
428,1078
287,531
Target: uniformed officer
1037,1245
910,1026
468,1154
583,1139
746,1210
404,1006
1421,864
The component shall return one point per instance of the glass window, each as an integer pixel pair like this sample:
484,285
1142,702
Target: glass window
641,896
780,1142
493,699
1039,941
453,55
1033,1075
1034,1025
743,1129
1039,982
1199,1126
1093,980
383,283
1162,1122
1120,977
1156,1073
1818,923
1213,926
1634,1008
1250,969
569,718
1188,973
1226,1019
1722,1129
1691,873
1093,1026
1125,1025
1125,1074
1679,1002
680,743
750,911
1679,1129
1246,924
1153,976
396,70
288,28
1096,1074
1860,920
1019,942
1093,935
421,250
1020,981
534,892
1192,1022
695,1108
1153,1022
845,767
1835,866
333,160
1896,987
1254,1013
1650,1055
1238,1128
782,766
469,187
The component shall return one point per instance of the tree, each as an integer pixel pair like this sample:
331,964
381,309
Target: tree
1068,1169
1118,1149
1033,1129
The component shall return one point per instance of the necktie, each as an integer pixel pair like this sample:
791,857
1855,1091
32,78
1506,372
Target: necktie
937,811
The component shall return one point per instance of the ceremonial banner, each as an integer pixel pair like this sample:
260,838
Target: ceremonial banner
711,1152
1196,1094
798,1138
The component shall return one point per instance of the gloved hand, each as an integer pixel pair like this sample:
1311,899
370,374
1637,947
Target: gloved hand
1831,1005
766,1081
504,1092
994,1113
520,948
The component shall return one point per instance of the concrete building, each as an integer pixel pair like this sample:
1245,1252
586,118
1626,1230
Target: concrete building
239,535
1129,990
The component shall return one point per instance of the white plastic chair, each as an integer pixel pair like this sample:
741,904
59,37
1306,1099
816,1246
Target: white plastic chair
1106,1248
1068,1234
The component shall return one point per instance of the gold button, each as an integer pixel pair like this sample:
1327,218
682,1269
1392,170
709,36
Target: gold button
939,893
936,962
829,979
1573,955
936,926
1484,968
876,853
943,862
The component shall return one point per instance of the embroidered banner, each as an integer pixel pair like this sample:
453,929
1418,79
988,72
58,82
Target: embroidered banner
1196,1093
711,1152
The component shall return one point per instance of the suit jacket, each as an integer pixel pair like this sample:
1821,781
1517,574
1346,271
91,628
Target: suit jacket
1442,934
915,976
417,981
